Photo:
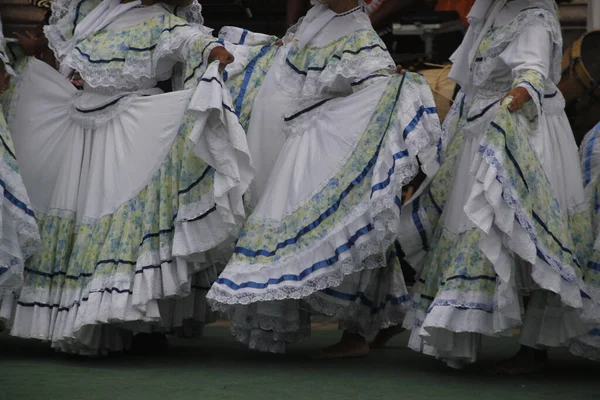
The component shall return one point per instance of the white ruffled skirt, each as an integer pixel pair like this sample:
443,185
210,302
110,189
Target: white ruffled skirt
505,216
139,197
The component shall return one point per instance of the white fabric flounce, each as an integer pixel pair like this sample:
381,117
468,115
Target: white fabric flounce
381,210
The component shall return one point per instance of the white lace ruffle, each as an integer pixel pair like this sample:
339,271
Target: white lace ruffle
506,34
140,70
60,8
586,350
350,67
191,13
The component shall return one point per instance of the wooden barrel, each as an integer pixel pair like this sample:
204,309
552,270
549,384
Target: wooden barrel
443,88
580,83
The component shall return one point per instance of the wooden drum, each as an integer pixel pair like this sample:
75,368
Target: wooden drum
580,84
443,88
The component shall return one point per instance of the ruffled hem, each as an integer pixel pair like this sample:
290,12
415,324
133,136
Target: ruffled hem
587,347
493,207
105,320
452,336
261,331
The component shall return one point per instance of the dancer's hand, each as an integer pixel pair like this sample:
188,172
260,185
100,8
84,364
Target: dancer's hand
223,56
520,96
400,69
408,194
30,43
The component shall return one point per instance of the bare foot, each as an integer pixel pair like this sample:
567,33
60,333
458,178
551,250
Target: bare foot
384,336
350,346
527,361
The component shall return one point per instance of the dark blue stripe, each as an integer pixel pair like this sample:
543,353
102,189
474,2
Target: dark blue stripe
7,148
76,19
481,114
244,35
226,107
508,152
305,273
594,266
335,56
471,278
100,61
407,130
249,71
419,224
417,118
112,103
531,8
16,202
308,109
54,274
197,67
558,242
435,204
535,90
196,182
363,80
398,202
213,79
387,181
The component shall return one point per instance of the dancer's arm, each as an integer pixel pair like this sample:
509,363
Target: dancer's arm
295,10
530,64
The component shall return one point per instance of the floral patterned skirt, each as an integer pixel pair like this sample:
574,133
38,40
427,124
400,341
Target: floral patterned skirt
505,217
320,237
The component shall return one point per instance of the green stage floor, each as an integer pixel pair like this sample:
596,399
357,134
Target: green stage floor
216,367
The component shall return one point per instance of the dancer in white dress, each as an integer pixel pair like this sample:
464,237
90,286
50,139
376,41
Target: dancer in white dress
507,208
19,235
136,190
335,134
